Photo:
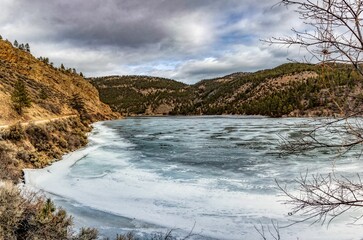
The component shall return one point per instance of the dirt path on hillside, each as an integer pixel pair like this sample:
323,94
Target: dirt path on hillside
41,121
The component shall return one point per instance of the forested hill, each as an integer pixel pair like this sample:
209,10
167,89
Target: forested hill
291,89
134,95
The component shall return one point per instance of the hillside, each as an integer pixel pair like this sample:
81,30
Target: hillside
133,95
288,90
50,89
62,104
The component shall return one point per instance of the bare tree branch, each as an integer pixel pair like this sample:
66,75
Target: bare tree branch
273,232
323,198
333,35
334,30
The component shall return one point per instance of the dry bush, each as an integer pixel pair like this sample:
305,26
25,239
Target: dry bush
86,234
8,165
14,133
77,124
75,141
11,211
50,107
61,126
73,135
62,143
127,236
39,137
26,156
30,217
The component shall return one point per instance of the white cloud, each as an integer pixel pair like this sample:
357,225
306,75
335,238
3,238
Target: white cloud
241,59
181,39
191,31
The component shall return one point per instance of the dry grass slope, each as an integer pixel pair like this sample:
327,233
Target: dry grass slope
50,89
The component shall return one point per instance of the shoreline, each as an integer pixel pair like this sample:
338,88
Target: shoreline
236,116
68,159
58,169
34,146
334,116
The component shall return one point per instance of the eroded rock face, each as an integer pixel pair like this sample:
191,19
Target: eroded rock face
162,109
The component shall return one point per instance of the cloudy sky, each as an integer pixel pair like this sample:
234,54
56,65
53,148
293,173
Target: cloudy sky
187,40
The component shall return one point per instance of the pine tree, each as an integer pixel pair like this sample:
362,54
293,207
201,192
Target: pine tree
16,44
43,94
62,67
20,97
1,38
47,211
27,47
77,103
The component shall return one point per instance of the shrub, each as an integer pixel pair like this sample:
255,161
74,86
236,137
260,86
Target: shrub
75,140
127,236
26,156
77,103
86,234
44,221
30,217
50,107
62,143
39,137
27,216
8,165
14,133
11,211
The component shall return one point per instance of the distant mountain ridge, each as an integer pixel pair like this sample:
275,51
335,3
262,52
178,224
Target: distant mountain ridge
292,89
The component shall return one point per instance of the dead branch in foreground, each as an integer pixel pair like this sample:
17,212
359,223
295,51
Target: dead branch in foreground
323,198
341,134
273,231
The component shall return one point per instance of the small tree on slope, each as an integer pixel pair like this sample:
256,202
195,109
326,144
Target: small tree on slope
20,97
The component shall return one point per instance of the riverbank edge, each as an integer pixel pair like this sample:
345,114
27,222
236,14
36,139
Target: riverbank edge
36,146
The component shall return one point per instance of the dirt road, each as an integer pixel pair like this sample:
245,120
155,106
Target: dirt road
41,121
